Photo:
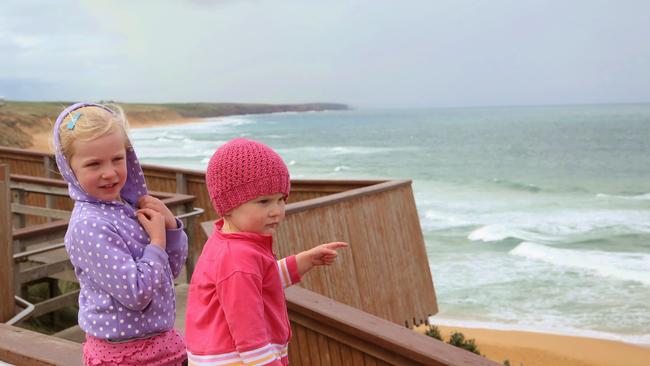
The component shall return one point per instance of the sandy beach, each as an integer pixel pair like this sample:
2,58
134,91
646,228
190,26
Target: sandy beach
543,349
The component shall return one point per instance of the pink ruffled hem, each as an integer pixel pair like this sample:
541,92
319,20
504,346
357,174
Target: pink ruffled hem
167,349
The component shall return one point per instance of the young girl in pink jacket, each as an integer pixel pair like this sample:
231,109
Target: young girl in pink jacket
236,310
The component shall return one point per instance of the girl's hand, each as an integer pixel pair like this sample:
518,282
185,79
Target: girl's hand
155,204
154,224
322,255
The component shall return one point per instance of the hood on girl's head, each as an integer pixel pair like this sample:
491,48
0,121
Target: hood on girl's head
135,185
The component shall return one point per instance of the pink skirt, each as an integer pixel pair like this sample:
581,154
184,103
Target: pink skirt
166,349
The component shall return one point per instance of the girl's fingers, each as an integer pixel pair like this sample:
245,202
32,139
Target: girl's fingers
147,212
143,200
328,252
336,245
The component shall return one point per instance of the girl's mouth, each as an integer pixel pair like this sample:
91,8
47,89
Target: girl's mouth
108,186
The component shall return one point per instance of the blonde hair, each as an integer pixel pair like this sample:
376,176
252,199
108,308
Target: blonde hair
93,122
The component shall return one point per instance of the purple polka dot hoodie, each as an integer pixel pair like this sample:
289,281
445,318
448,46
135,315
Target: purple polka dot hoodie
127,288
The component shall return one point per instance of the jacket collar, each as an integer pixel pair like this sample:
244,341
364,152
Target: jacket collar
265,241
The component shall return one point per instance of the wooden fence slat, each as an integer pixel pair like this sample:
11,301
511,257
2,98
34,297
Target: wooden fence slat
369,360
59,302
357,358
40,211
303,345
294,346
43,270
39,188
324,350
314,352
346,355
335,351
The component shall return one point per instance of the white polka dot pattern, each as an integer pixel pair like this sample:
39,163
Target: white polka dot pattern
126,284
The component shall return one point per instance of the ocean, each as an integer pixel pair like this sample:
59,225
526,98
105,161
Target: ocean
534,218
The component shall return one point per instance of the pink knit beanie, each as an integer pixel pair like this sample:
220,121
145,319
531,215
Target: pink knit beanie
242,170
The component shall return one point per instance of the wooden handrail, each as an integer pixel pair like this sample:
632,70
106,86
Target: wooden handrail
344,196
39,230
372,335
22,347
39,180
292,208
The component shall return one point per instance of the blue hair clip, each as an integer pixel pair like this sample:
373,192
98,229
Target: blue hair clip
73,120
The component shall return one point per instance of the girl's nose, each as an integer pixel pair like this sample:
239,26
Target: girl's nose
108,173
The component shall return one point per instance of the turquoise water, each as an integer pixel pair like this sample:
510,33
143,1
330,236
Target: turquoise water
533,217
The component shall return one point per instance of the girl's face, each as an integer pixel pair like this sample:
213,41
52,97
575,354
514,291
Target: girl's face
260,215
100,165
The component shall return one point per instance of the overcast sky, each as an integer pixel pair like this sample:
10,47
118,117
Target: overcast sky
367,53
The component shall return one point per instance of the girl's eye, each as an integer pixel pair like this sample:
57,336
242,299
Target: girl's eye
118,158
263,201
94,164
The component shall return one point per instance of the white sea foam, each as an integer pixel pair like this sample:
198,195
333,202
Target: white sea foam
437,220
498,232
320,151
228,121
541,226
616,265
645,196
144,153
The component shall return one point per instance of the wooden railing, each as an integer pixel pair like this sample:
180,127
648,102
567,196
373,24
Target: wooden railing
385,271
325,332
42,244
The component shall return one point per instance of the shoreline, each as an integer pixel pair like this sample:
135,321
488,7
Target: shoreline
41,139
529,348
639,340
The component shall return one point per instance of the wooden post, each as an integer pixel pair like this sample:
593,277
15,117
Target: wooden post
6,248
181,183
21,220
189,230
48,167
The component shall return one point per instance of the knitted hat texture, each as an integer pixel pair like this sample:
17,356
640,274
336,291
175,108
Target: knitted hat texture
242,170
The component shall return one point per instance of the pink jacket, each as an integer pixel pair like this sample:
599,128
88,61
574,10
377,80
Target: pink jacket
236,310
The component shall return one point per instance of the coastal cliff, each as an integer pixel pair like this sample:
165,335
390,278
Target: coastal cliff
21,121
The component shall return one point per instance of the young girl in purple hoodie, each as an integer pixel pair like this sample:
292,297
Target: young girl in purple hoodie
125,245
